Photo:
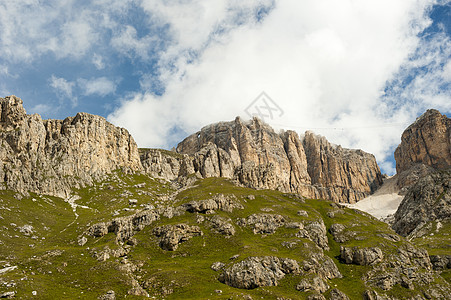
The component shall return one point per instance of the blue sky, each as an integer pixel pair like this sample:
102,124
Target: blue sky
357,72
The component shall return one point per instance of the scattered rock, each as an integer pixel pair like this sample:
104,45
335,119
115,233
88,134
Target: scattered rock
82,241
8,295
218,202
441,262
302,213
316,232
27,229
110,295
336,294
263,223
427,200
217,266
255,272
312,284
222,225
361,256
172,235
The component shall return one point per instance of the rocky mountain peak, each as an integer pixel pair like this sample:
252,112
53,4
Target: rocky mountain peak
427,141
255,155
53,156
12,112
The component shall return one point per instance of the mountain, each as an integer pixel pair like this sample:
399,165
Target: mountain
53,156
253,154
234,213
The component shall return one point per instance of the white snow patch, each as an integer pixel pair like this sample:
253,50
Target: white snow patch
383,202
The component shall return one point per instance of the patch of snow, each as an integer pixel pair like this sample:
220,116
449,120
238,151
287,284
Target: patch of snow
384,202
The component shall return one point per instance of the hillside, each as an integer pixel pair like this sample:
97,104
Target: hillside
88,215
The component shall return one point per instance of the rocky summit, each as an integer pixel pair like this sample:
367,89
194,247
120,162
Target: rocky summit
238,211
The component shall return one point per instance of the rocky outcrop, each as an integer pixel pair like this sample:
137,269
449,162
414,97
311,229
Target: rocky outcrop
124,227
427,200
254,272
361,256
316,232
314,283
173,235
441,262
256,156
54,156
427,141
218,202
263,223
407,267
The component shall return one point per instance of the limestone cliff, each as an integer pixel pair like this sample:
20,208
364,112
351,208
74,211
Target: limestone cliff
423,163
252,153
53,156
429,199
427,141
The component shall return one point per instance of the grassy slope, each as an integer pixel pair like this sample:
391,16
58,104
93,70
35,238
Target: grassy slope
72,272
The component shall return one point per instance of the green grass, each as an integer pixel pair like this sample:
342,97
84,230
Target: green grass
75,274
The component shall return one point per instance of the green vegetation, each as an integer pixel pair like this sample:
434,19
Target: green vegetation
51,262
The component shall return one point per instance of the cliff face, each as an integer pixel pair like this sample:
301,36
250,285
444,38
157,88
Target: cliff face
427,141
423,162
257,157
429,199
53,156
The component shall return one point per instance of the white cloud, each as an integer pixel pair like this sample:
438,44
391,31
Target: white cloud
128,43
325,63
63,89
101,86
97,61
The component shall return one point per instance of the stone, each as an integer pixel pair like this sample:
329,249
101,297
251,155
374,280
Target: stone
222,225
124,227
361,256
219,202
173,235
254,272
27,229
429,199
336,294
263,223
441,262
217,266
54,156
254,155
338,232
315,283
426,141
316,232
8,295
110,295
82,241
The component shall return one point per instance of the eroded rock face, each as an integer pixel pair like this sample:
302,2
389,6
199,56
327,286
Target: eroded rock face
172,235
124,227
426,141
427,200
255,272
407,267
263,223
53,156
219,202
361,256
256,156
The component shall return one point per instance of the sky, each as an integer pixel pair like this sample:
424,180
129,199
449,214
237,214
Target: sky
355,71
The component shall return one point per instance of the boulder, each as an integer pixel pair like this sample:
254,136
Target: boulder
255,272
173,235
